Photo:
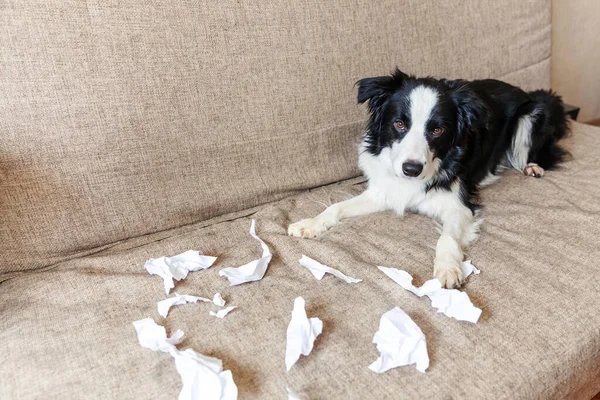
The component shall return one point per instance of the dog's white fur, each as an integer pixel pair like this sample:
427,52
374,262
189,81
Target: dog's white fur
521,144
389,189
414,146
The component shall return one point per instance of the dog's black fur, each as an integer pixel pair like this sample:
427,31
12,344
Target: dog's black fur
480,119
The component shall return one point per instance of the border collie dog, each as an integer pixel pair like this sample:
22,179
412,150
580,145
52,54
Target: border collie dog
431,144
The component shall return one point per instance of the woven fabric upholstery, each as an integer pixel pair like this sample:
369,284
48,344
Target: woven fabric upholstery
66,333
121,118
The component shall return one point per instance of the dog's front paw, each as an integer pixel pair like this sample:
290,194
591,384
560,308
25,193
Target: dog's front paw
532,169
307,228
451,275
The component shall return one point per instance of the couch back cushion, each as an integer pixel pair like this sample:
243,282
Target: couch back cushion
119,118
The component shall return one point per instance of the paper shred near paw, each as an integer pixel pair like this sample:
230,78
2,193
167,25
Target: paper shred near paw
451,302
468,268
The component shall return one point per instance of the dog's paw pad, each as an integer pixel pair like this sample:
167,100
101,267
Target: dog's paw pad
451,277
532,169
307,228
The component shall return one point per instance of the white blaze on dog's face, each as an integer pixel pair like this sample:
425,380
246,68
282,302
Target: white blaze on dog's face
413,123
411,155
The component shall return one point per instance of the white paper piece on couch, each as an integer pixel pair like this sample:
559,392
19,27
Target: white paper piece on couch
319,270
203,377
468,268
400,342
301,333
254,270
222,313
165,305
452,302
177,267
218,300
154,336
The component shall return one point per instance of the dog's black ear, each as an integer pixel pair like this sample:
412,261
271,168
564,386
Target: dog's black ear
472,111
377,90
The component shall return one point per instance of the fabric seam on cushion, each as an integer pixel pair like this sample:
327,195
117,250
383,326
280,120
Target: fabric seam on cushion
527,67
232,216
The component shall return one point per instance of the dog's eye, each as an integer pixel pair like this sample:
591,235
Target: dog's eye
400,126
437,131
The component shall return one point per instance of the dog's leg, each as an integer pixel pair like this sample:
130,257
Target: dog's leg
457,222
362,204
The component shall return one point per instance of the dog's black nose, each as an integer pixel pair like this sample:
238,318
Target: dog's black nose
412,168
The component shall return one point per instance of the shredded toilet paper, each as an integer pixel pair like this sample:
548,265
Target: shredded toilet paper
452,302
254,270
178,267
301,333
319,270
400,342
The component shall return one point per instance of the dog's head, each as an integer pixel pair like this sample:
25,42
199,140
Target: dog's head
420,124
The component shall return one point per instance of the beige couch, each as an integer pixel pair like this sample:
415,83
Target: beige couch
134,129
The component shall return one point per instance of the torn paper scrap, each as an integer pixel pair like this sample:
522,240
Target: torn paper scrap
319,270
154,337
254,270
404,279
191,260
222,313
218,300
177,267
452,302
203,377
301,333
455,304
400,342
163,306
468,268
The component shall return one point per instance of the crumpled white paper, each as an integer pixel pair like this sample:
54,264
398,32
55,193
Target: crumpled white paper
177,267
468,268
222,313
203,377
154,337
254,270
400,342
218,300
163,306
301,333
319,270
452,302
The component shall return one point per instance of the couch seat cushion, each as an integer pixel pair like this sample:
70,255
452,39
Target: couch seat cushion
66,332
